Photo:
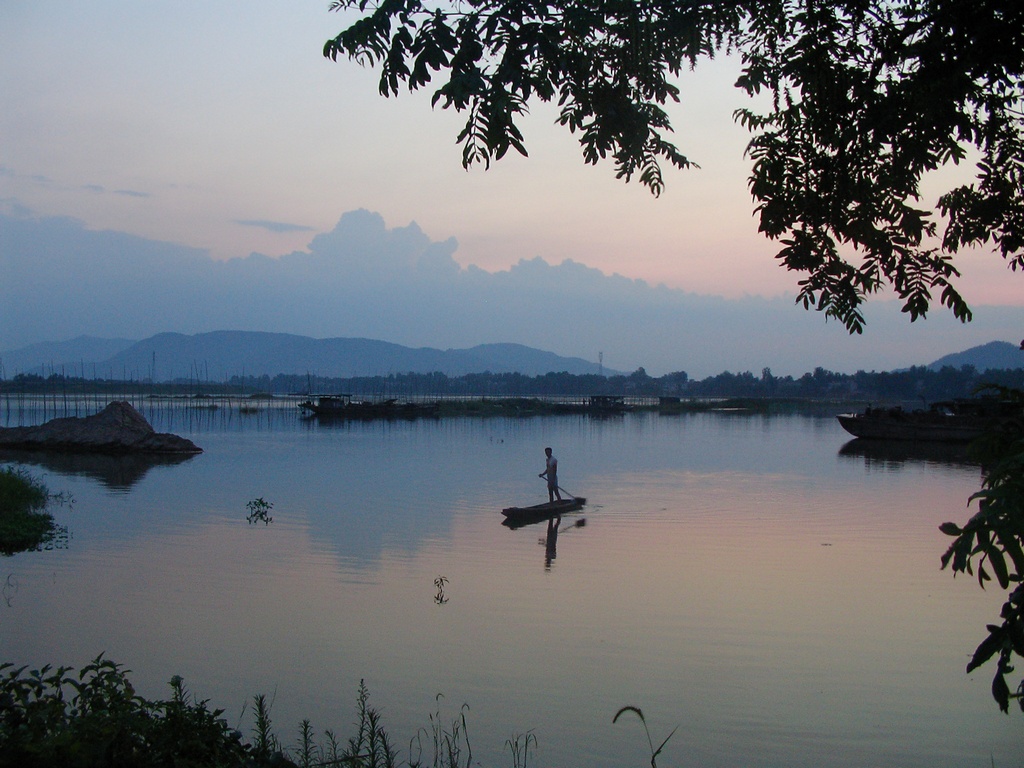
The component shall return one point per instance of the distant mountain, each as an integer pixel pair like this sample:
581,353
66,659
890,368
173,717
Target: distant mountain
219,355
998,355
365,279
70,356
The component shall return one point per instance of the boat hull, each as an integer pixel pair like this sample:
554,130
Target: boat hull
337,408
954,421
944,429
538,512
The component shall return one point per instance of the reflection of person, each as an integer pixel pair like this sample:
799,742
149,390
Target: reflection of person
551,541
551,473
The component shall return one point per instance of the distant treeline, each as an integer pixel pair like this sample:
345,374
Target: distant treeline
917,383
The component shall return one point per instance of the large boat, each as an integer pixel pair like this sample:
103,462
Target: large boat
951,421
344,407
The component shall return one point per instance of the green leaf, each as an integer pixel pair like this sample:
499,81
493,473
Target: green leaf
988,647
1011,544
1001,692
995,557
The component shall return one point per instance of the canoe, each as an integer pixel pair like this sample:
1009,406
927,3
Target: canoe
543,511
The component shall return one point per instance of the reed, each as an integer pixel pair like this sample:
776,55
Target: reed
643,720
519,747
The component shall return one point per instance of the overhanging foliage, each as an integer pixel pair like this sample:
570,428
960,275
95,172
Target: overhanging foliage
867,97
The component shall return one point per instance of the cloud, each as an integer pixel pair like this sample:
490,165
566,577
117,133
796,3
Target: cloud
365,279
8,172
273,226
99,189
96,189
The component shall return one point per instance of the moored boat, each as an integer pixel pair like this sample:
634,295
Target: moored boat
344,407
595,405
952,421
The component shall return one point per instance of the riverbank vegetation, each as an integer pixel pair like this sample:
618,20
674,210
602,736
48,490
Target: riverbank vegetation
24,522
53,716
915,383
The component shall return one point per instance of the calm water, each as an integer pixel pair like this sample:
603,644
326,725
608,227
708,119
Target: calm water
747,580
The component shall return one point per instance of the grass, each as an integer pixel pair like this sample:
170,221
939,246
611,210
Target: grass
57,717
654,752
24,522
93,718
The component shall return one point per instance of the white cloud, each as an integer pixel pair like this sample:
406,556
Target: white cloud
364,279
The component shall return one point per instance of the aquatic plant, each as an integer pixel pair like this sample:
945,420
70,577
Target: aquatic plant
519,746
440,597
452,748
259,511
654,752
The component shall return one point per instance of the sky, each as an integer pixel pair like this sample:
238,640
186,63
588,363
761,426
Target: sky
220,130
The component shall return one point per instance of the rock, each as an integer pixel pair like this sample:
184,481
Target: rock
118,428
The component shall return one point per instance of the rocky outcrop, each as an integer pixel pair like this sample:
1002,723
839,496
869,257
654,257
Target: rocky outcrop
118,428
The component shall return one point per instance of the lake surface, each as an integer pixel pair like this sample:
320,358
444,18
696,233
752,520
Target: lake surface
757,583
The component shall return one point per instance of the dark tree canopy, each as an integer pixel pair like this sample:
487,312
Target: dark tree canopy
866,98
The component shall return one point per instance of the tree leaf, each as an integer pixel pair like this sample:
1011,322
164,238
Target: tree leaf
987,648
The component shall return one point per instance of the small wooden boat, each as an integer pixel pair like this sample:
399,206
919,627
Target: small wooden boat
538,512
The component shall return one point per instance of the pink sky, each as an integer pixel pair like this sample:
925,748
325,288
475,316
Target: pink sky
176,123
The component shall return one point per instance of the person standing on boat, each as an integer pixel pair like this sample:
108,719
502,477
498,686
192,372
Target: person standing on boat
551,473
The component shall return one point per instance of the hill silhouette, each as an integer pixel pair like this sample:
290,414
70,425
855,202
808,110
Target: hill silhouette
996,355
218,355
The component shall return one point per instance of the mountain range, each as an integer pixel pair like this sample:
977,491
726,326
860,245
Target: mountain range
996,355
219,355
366,280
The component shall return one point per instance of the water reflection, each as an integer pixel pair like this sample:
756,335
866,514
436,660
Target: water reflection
551,542
117,472
165,414
894,454
736,576
550,539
